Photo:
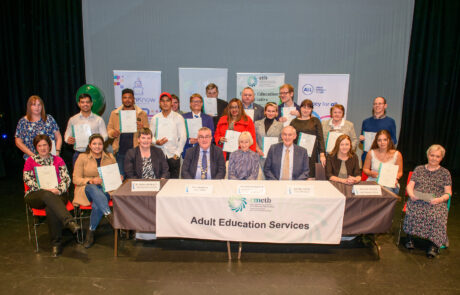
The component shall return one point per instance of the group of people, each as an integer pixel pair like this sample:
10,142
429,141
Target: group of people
146,155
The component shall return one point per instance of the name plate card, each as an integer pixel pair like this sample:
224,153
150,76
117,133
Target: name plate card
367,190
253,190
198,189
301,190
145,186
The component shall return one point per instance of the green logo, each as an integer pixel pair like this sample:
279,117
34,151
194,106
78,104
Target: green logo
237,203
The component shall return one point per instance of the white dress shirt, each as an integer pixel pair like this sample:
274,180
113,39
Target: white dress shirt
177,134
95,122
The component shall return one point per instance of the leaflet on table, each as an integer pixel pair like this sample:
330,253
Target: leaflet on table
201,189
427,197
210,106
81,133
231,144
267,142
307,141
367,190
252,190
331,139
301,190
387,174
192,126
128,121
110,175
286,112
163,128
250,113
46,177
53,148
368,140
145,186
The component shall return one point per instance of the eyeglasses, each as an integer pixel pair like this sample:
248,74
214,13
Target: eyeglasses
204,137
234,107
284,92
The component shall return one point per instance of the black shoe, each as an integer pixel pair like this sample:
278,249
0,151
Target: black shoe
73,226
89,241
110,219
410,243
432,251
56,251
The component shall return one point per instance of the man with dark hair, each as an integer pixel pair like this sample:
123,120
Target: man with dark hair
212,91
95,123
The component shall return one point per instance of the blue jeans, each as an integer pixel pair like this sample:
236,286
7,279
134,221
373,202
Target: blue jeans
100,205
121,164
75,157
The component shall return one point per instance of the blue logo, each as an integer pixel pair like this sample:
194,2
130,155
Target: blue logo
237,203
307,89
252,81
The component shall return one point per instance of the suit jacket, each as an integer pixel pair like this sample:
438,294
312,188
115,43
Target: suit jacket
216,159
273,163
206,121
281,106
133,163
258,112
221,105
333,166
273,131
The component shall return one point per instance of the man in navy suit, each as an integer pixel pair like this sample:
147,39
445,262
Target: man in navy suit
196,103
247,98
205,160
286,160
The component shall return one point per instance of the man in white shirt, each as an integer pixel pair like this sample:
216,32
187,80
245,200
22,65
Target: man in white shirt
170,133
94,122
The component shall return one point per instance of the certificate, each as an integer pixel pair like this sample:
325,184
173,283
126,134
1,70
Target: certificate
128,121
301,190
145,186
200,189
53,147
163,128
331,139
231,144
368,140
307,141
110,175
210,106
46,177
427,197
387,174
267,142
81,133
367,190
252,190
192,126
286,112
250,113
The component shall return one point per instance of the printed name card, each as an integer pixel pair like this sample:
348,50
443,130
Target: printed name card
252,190
301,190
198,189
367,190
145,186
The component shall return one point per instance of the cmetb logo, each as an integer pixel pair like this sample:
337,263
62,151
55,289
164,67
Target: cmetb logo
237,203
252,81
307,89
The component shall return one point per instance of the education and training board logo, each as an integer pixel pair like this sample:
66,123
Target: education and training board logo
252,81
307,89
237,203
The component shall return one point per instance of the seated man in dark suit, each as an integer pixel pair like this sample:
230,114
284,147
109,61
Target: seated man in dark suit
204,161
145,161
286,160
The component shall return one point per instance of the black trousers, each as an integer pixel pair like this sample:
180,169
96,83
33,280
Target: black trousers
56,212
174,167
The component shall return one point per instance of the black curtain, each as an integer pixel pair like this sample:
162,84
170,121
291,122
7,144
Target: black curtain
431,107
42,53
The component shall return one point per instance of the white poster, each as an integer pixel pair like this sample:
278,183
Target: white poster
324,90
146,86
265,85
195,80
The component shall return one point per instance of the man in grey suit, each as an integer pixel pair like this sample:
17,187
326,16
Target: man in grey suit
286,160
247,98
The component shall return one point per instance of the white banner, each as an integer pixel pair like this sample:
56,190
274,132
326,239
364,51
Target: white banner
195,80
324,90
243,211
146,86
265,86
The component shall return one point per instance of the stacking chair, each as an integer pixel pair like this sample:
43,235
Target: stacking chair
79,216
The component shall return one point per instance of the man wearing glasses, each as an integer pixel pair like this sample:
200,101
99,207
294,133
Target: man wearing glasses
287,100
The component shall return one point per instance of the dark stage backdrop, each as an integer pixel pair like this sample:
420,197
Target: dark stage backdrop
431,106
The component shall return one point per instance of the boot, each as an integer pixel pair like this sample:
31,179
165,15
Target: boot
73,226
409,243
432,251
89,241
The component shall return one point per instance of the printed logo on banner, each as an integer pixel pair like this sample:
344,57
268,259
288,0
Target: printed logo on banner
252,81
237,203
307,89
138,88
119,81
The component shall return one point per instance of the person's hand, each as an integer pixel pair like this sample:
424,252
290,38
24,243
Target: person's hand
361,137
121,177
295,113
54,191
259,151
115,133
96,180
222,140
71,140
436,201
193,140
322,159
162,141
282,119
413,198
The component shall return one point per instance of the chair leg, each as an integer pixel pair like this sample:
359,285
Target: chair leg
36,237
28,224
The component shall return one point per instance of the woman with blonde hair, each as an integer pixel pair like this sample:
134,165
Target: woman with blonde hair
244,163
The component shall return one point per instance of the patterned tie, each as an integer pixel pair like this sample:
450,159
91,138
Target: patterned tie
196,116
285,171
204,166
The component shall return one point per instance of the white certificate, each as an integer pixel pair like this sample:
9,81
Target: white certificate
427,197
81,133
387,174
267,142
250,113
128,121
367,190
193,125
163,128
331,139
231,144
252,190
200,189
210,106
301,190
145,186
53,148
368,140
110,175
46,177
307,141
286,112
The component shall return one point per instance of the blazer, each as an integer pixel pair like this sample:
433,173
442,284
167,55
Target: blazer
280,108
333,166
239,126
133,163
221,105
273,131
273,163
258,112
86,169
206,121
216,159
348,128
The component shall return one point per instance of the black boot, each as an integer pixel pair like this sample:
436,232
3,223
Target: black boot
432,251
409,243
89,241
73,226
